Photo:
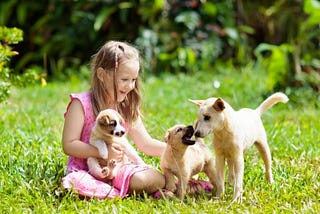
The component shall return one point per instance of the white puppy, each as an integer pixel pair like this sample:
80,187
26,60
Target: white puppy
233,132
108,130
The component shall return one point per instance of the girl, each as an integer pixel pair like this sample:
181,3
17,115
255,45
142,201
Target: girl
114,84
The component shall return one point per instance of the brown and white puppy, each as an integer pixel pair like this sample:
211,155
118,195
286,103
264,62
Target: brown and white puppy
233,133
108,130
184,158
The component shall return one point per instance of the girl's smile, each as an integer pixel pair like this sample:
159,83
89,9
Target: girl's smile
127,75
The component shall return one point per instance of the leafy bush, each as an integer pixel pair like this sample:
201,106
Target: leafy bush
191,36
295,60
9,37
276,63
57,42
174,36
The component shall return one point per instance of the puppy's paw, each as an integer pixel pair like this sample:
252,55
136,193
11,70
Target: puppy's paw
112,163
181,194
219,193
237,199
171,187
105,172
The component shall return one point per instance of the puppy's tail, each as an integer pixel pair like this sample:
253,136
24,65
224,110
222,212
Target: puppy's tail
270,101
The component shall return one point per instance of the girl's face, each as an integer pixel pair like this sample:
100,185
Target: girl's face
126,78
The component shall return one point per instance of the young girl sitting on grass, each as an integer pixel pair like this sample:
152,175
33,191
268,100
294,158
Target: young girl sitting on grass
114,84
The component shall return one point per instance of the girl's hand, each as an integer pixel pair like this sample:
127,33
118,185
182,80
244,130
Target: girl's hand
115,152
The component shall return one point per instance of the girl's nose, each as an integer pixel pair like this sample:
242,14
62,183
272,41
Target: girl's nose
131,85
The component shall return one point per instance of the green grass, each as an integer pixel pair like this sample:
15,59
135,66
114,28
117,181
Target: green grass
32,161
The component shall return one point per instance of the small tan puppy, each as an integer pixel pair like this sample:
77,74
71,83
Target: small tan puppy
184,158
108,130
233,132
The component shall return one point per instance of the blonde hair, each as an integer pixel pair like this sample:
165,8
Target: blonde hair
109,57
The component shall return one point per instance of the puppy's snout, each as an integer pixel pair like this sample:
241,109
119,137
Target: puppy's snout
190,130
119,134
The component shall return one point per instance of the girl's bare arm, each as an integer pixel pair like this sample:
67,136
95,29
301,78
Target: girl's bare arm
144,141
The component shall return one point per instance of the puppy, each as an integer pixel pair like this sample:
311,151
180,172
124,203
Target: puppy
108,130
184,158
233,132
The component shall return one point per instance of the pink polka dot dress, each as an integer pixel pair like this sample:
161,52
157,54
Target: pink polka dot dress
77,175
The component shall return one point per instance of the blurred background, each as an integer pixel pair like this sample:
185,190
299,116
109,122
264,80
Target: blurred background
53,40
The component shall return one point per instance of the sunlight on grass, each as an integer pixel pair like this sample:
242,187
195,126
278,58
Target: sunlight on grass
33,162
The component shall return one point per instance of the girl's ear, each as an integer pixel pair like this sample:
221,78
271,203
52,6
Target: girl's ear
100,74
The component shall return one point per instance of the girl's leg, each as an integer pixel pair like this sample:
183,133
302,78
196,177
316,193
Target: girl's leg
149,181
88,186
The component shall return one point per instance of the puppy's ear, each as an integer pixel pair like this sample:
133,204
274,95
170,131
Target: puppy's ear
105,120
219,105
196,102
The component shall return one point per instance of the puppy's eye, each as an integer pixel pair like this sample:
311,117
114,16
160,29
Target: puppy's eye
113,123
179,130
206,117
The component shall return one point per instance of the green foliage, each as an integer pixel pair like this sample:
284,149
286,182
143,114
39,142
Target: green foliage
33,163
296,61
312,8
191,36
57,42
307,46
181,30
173,36
8,38
277,63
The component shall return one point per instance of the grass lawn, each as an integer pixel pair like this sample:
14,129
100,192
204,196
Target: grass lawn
32,161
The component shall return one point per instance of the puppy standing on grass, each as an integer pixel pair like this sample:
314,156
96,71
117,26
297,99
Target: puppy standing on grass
184,158
108,130
233,132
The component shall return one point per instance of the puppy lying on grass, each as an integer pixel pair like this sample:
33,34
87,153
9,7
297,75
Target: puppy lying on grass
184,158
108,130
233,133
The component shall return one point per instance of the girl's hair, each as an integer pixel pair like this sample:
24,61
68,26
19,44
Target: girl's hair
109,57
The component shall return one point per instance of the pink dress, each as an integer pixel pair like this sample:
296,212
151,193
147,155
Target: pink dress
77,176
